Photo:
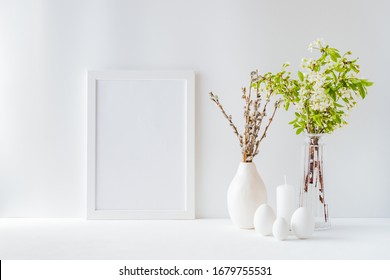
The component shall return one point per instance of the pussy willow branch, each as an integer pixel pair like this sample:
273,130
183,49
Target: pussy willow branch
256,123
254,112
247,114
276,105
255,118
214,98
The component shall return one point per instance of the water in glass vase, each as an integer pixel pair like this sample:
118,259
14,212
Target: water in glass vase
312,193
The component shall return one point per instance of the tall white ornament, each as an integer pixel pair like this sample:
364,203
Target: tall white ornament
286,202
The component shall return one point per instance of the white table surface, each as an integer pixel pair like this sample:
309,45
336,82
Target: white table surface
187,239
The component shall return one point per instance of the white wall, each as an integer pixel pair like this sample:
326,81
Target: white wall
47,46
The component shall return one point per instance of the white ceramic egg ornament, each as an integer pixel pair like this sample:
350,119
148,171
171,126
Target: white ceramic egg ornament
280,229
302,223
264,219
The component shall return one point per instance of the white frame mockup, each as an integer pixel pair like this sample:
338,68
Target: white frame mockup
187,78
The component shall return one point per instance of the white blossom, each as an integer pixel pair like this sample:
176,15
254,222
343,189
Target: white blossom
317,44
320,101
316,78
307,62
300,106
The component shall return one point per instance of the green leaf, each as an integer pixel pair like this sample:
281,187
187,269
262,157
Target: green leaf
292,122
299,130
300,75
354,68
334,51
332,94
362,91
333,56
368,83
287,105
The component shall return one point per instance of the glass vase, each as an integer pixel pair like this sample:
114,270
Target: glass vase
312,193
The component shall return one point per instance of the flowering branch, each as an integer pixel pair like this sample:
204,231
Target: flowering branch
326,90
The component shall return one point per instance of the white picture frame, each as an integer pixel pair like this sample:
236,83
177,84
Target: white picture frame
140,145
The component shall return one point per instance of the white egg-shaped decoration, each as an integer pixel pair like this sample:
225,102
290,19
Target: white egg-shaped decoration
280,229
264,219
302,223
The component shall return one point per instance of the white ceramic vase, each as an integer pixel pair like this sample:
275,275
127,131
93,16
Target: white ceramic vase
245,194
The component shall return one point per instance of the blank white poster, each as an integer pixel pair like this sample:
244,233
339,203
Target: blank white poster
140,146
